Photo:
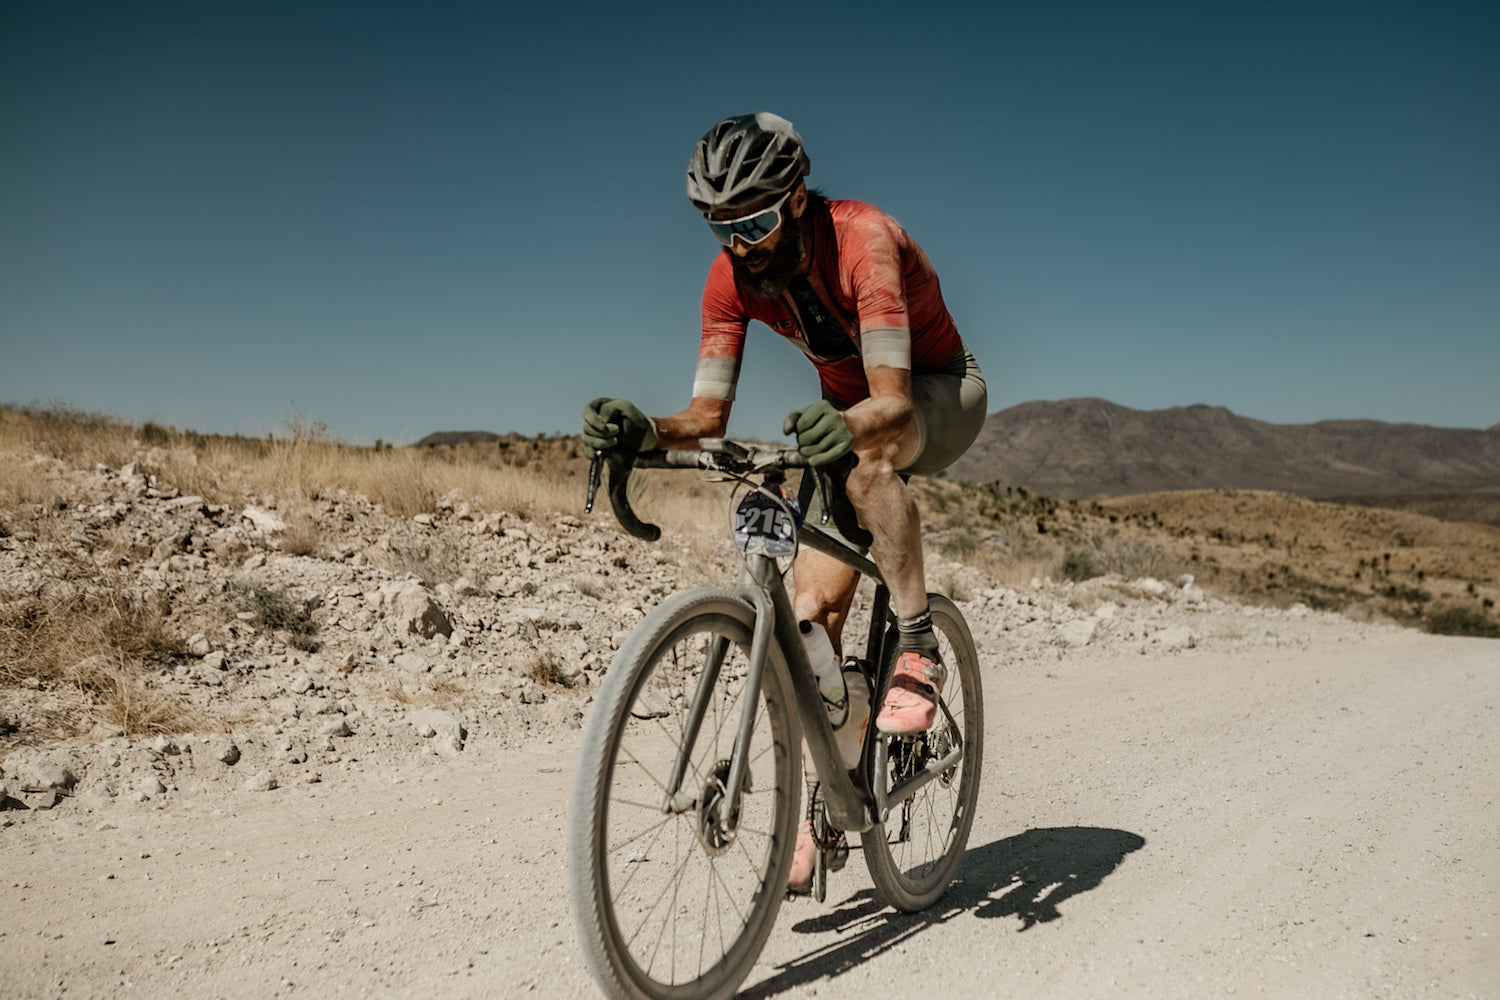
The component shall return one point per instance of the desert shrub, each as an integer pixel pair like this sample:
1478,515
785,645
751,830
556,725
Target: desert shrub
431,560
1079,565
545,669
1128,556
302,538
276,611
1461,619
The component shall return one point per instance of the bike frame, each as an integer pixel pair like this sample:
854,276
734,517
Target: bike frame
852,804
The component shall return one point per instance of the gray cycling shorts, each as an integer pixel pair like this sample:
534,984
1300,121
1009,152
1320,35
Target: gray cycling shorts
950,410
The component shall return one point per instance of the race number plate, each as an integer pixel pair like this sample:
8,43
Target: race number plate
767,523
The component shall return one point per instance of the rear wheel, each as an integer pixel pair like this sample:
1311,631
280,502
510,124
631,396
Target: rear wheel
914,855
672,898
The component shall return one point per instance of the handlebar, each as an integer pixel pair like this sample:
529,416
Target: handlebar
722,455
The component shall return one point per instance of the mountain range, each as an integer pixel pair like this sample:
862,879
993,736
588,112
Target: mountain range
1088,448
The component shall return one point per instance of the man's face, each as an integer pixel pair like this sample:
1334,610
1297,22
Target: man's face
766,268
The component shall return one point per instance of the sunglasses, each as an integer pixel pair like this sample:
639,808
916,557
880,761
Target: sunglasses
753,229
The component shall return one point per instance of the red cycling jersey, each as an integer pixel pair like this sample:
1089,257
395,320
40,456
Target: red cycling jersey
870,281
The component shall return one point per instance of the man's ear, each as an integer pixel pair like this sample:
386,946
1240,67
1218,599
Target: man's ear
797,203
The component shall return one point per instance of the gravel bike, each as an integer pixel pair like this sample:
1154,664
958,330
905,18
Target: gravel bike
686,800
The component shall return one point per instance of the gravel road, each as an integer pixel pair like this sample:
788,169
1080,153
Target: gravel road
1318,819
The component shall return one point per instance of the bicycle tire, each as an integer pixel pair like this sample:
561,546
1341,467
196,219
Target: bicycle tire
914,855
639,874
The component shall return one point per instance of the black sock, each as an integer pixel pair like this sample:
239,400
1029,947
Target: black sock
915,635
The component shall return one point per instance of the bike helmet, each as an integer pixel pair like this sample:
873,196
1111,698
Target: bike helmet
743,160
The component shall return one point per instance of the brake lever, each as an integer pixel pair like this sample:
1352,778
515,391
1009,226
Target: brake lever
596,466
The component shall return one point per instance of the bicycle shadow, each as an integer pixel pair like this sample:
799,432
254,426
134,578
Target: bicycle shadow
1026,876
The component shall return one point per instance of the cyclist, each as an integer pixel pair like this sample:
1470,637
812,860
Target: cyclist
846,284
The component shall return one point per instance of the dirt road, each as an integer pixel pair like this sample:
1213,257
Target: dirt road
1315,820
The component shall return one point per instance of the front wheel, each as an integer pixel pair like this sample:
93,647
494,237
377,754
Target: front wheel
674,895
913,856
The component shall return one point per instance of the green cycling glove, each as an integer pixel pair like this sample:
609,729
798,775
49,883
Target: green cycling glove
611,422
823,434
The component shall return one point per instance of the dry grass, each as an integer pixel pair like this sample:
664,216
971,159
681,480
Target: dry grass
104,644
546,669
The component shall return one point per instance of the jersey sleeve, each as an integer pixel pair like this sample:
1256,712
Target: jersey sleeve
875,248
723,343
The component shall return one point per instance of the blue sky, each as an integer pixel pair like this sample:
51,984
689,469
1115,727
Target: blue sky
403,218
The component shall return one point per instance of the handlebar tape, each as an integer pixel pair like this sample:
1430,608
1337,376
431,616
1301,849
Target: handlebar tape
620,464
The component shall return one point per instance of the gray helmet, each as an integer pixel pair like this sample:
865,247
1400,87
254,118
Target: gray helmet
744,159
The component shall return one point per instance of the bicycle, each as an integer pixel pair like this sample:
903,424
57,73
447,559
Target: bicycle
685,804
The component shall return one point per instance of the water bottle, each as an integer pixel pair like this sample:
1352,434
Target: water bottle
846,692
850,735
825,665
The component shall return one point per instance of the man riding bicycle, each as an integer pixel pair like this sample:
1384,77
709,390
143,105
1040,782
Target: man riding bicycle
846,284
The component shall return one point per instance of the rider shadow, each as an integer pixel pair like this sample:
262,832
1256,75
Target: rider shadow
1026,876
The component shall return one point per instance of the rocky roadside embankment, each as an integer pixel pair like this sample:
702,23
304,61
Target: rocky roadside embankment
389,640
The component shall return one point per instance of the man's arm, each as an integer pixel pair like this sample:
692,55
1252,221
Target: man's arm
704,417
885,423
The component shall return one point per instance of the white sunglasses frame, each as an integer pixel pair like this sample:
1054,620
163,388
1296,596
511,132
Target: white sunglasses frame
773,207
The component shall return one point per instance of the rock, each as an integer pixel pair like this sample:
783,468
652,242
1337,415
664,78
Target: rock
1078,632
198,645
256,561
214,660
414,609
165,746
299,684
263,519
412,663
223,750
335,727
433,723
262,781
47,776
151,786
10,799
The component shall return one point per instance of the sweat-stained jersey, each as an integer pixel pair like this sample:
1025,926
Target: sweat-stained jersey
872,299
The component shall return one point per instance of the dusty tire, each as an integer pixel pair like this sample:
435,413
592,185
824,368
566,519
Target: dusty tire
916,853
667,904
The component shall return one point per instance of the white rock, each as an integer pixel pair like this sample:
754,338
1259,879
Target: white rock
337,726
198,645
446,729
262,781
1079,632
412,663
263,519
414,609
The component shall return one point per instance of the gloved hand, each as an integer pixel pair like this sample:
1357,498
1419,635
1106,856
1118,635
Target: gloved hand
823,434
610,422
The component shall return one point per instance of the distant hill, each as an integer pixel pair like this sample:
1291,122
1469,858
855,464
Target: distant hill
460,437
1087,448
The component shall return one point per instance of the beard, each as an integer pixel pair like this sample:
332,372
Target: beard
781,265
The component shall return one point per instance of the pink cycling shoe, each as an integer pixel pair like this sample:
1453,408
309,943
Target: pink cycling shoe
911,703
